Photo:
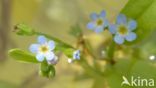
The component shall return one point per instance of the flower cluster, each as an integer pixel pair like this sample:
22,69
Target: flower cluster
122,29
44,50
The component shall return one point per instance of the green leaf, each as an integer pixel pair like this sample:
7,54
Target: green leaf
44,66
135,8
144,11
128,68
47,70
124,66
52,71
144,69
114,80
44,69
23,56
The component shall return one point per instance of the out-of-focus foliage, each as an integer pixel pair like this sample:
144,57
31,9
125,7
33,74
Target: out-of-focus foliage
145,13
4,84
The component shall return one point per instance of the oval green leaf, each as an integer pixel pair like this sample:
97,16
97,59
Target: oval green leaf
22,56
144,11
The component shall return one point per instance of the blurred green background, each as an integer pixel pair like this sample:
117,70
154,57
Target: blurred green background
54,17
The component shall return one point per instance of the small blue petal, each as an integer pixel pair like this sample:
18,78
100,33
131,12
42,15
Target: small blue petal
42,39
103,14
93,16
119,39
132,24
121,19
51,45
106,23
112,28
49,56
53,61
99,29
91,25
34,48
131,36
40,57
76,55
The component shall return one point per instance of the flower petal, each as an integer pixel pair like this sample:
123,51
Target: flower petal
121,19
34,48
49,56
42,39
106,23
40,57
51,45
99,29
103,14
132,24
76,55
119,39
112,28
93,16
131,36
91,25
53,61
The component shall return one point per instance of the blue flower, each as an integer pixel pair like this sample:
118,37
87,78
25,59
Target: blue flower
123,29
76,55
99,22
43,49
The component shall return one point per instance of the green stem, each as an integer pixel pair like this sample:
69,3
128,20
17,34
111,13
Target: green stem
89,48
90,51
90,71
111,53
55,39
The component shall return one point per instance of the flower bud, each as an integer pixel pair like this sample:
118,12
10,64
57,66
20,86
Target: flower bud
23,29
54,61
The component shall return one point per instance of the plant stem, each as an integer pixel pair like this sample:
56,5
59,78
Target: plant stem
55,39
90,71
111,53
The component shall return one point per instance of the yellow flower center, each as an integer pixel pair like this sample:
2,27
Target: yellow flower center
99,22
123,30
43,49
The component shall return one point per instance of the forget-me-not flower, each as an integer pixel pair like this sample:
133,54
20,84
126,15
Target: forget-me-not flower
123,29
43,49
76,55
99,22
